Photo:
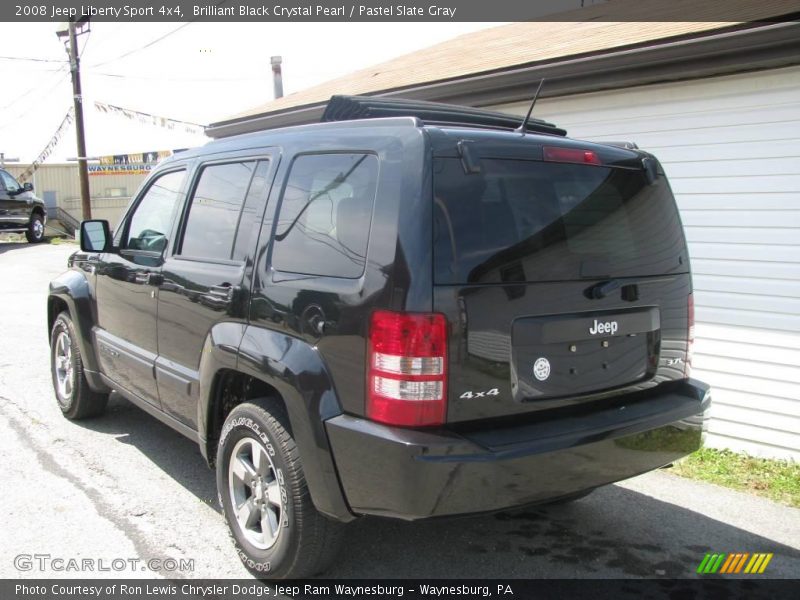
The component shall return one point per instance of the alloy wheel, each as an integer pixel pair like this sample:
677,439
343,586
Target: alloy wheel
255,493
65,372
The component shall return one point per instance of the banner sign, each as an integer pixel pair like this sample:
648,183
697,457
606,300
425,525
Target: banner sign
119,169
140,158
140,163
148,119
48,149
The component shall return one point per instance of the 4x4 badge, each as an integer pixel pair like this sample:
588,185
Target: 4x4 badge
541,369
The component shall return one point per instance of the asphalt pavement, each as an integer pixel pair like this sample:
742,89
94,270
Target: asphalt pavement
124,489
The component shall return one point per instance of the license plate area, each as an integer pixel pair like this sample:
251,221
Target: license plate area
555,356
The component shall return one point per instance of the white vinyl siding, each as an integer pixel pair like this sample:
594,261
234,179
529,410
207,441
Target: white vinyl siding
731,148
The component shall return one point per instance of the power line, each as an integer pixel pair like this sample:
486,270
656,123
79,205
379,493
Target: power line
155,41
177,79
109,35
42,97
86,43
59,74
147,45
31,59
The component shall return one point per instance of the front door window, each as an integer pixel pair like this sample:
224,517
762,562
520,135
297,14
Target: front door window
149,225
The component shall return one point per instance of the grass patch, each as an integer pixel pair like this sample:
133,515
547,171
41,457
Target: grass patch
665,439
13,238
778,480
63,240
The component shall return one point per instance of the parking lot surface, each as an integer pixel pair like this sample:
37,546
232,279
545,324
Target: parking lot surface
126,487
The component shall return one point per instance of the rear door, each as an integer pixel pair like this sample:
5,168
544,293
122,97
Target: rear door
203,278
563,282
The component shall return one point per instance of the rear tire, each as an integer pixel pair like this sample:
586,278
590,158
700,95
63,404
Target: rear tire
278,532
74,396
35,232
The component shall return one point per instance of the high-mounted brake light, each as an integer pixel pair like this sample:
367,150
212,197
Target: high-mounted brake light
690,337
407,368
571,155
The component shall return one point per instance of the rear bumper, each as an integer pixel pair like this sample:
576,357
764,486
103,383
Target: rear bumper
414,474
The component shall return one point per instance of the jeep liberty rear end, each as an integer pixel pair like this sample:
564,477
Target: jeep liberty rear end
556,357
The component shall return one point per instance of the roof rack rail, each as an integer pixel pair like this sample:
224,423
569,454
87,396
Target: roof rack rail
347,108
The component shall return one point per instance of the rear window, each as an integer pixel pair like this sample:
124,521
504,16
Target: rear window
325,215
528,221
215,210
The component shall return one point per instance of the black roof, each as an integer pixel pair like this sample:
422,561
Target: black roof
347,108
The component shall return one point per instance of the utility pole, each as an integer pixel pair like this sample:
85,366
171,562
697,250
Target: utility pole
75,69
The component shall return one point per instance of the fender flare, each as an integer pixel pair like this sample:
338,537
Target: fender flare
73,289
296,370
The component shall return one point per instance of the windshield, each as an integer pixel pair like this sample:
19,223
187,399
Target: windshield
528,221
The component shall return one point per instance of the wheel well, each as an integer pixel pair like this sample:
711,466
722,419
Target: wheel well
38,210
55,306
230,389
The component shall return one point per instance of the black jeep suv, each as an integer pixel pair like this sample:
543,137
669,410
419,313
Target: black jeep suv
20,210
409,310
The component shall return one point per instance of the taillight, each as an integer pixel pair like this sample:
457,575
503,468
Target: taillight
690,337
407,369
571,155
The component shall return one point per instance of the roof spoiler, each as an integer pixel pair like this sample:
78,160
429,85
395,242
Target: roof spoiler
347,108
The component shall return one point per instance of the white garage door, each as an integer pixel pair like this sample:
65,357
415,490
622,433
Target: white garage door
731,148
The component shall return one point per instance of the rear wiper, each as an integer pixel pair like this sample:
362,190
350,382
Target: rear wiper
630,290
603,289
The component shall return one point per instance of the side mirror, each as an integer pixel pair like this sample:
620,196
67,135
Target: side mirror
95,236
27,186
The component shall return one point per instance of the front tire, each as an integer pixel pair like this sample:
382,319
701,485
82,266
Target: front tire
74,396
277,531
35,232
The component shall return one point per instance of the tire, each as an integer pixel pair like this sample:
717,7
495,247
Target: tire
35,232
74,396
280,534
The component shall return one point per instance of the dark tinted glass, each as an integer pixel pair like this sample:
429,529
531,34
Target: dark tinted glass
9,182
325,215
214,212
538,221
250,219
152,219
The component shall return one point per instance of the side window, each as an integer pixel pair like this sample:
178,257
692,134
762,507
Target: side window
9,182
250,221
151,220
325,214
215,210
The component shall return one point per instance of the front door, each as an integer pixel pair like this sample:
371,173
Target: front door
204,275
13,204
127,287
